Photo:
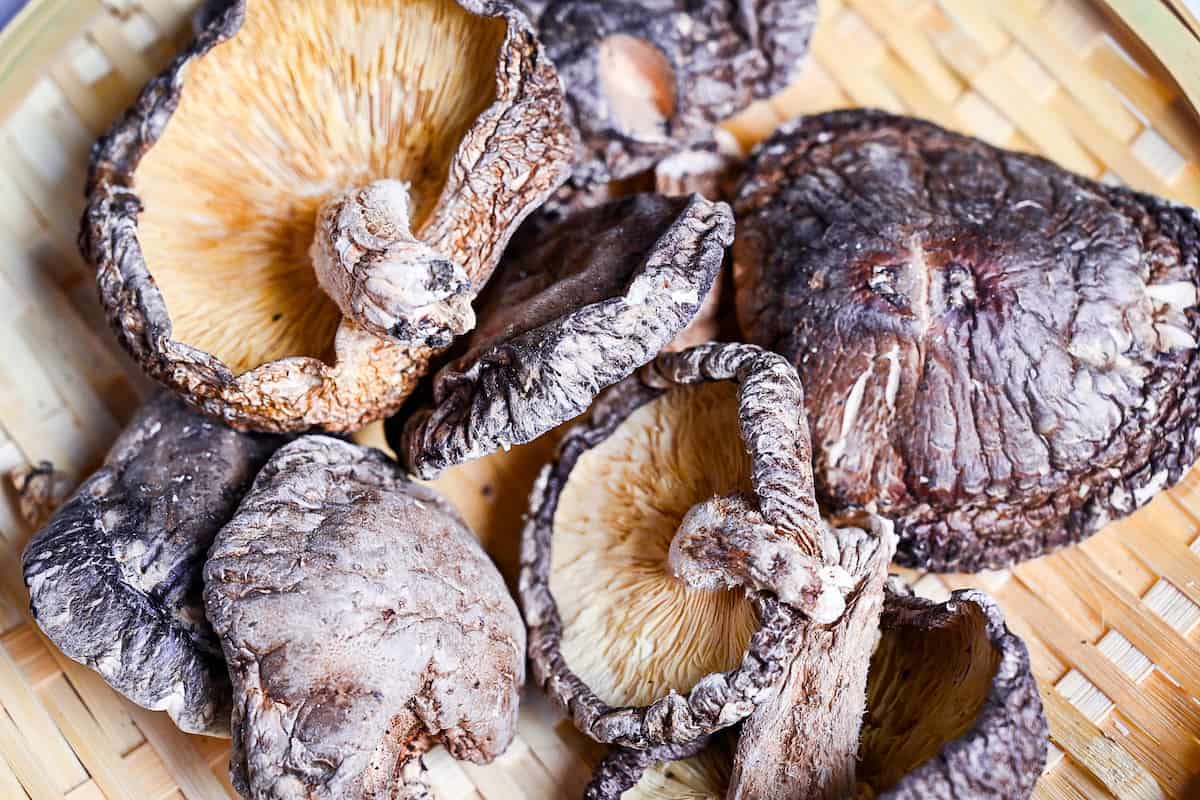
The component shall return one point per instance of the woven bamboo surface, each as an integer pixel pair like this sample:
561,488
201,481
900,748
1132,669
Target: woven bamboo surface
1112,624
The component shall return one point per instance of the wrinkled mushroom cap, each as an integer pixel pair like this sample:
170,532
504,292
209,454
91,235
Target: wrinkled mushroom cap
1000,355
648,79
951,703
361,622
570,312
622,634
203,198
114,577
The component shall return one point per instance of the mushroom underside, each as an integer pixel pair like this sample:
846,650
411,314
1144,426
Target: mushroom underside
951,702
352,93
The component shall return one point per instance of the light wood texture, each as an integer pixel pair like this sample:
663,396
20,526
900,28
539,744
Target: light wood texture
1112,624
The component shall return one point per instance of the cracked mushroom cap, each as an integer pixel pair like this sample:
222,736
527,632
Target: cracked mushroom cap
953,712
570,312
1000,355
296,214
673,547
114,577
362,623
648,79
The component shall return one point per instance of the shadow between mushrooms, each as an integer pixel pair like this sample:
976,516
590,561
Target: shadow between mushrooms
321,189
1001,355
952,712
571,311
114,577
674,552
362,624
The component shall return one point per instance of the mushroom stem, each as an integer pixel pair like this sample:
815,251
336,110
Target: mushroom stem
724,543
381,276
804,742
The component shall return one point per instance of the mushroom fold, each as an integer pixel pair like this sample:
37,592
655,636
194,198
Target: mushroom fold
570,312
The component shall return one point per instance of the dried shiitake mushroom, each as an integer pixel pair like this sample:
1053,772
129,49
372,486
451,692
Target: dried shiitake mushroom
674,551
648,79
321,189
114,577
999,355
952,712
570,312
362,623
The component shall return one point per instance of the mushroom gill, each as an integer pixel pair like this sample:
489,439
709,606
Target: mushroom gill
307,101
632,630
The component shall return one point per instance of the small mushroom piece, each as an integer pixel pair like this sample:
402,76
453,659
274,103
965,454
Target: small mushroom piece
40,489
648,79
952,711
115,576
362,624
294,217
1000,355
647,623
570,312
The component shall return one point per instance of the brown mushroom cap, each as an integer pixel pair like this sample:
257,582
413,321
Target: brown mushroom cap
570,312
1000,355
273,109
621,635
953,711
648,79
361,622
114,577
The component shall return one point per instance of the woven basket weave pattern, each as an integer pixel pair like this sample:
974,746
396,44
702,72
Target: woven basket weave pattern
1112,624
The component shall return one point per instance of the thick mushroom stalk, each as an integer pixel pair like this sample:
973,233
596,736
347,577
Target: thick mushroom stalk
393,284
724,543
804,742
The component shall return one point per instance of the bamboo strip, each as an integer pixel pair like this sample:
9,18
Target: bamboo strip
1167,37
29,715
1126,613
88,741
1107,761
189,772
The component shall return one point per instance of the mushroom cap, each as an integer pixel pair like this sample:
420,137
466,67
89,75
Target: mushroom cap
361,622
114,577
951,703
648,79
569,313
634,654
204,267
1000,355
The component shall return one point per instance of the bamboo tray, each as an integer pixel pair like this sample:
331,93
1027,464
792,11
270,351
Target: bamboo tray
1112,624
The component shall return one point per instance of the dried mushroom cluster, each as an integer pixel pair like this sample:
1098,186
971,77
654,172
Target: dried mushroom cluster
678,580
295,229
